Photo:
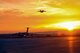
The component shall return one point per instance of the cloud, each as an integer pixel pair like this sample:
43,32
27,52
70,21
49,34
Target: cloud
10,13
11,1
64,3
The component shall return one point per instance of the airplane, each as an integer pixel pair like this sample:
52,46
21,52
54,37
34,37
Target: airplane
41,11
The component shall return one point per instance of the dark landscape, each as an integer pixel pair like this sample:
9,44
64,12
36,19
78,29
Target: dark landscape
39,43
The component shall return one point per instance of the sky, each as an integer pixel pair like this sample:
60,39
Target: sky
16,15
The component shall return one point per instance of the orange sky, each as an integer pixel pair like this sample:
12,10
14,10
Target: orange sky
16,15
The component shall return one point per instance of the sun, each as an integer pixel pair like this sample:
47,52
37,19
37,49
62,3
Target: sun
65,25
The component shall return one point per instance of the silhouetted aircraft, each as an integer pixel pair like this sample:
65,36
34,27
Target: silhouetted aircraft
41,11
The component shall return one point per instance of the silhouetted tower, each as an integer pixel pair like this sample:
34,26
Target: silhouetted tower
27,31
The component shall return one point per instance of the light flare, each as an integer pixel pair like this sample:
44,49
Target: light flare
65,25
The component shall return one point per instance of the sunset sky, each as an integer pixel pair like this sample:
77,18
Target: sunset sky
16,15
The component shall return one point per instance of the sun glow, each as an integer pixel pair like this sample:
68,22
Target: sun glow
65,25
